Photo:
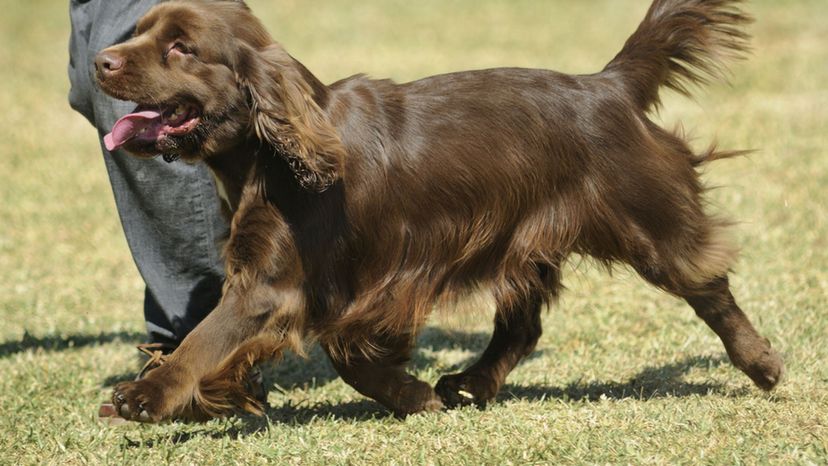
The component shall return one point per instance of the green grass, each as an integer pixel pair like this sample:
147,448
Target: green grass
623,374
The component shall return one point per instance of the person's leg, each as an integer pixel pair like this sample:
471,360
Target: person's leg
170,213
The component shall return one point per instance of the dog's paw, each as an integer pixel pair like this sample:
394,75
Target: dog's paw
766,369
415,398
144,400
755,357
465,389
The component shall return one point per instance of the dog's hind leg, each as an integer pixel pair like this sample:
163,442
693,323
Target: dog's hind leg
517,328
749,351
383,377
699,275
651,215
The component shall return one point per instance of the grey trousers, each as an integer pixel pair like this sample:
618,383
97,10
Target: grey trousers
170,213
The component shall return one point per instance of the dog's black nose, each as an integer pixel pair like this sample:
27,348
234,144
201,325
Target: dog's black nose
108,64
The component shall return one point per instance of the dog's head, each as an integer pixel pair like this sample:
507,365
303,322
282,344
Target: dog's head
207,76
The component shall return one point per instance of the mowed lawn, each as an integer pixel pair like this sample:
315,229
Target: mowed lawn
622,374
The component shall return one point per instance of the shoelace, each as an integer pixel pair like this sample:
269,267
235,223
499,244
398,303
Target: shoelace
157,352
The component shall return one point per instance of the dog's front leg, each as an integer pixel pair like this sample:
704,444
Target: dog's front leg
205,376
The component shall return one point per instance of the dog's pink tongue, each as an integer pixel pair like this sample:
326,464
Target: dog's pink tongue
128,126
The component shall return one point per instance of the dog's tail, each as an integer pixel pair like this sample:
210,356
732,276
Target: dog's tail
680,43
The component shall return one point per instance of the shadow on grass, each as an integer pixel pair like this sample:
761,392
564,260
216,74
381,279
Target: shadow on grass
66,342
316,371
652,382
288,414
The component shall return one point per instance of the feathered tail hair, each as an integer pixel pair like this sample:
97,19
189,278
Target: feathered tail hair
678,44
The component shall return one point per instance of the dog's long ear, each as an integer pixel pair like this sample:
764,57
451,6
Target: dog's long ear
285,114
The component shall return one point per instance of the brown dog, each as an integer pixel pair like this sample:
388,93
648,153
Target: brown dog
356,206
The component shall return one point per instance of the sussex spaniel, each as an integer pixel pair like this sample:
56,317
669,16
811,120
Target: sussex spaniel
357,206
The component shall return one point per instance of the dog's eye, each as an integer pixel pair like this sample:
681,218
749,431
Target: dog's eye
180,48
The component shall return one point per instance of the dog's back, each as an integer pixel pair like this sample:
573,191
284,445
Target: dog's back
485,177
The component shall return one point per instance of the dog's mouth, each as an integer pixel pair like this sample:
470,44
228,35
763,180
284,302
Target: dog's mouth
152,125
